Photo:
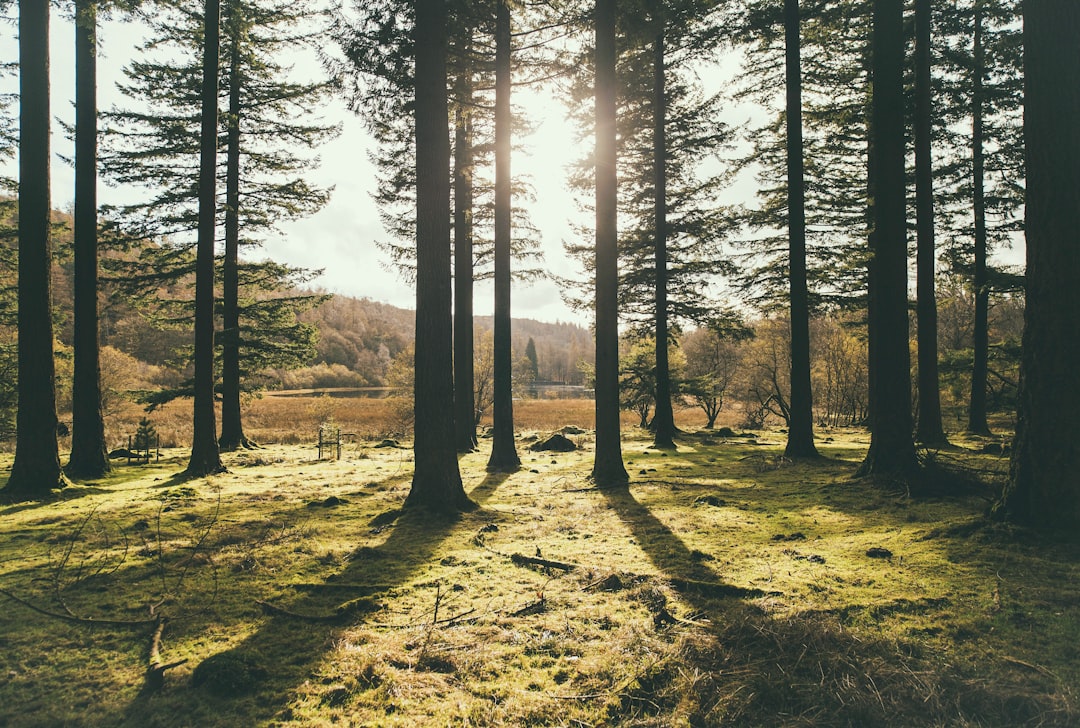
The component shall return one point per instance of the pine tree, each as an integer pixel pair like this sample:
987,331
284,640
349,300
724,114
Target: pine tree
436,483
36,470
89,457
504,457
1042,489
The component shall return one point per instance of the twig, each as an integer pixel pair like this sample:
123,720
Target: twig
76,619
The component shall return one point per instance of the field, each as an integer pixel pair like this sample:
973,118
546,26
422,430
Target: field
726,586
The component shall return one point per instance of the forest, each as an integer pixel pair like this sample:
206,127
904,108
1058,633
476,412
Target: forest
820,464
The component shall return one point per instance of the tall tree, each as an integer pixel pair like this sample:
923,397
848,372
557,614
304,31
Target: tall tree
504,457
436,483
608,469
89,457
977,409
929,429
663,422
205,456
464,393
800,441
892,450
36,470
1042,489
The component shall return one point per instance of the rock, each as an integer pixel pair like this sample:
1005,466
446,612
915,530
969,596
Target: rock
121,452
726,432
876,552
709,500
555,443
572,430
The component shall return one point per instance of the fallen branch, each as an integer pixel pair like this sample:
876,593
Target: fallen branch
344,611
522,560
155,671
76,619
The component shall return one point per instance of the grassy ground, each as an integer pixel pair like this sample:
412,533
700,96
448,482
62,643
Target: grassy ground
725,587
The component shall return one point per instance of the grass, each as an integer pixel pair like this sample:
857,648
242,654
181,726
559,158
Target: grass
725,587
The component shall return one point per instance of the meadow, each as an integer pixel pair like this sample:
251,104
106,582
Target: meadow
726,586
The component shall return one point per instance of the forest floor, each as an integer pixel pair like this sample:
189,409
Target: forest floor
726,586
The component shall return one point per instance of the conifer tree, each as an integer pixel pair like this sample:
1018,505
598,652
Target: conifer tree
36,470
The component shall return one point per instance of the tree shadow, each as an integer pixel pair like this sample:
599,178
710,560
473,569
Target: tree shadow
264,689
667,552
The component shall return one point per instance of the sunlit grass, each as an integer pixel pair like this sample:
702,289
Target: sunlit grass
727,586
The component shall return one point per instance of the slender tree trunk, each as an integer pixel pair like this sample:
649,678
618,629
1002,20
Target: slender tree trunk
36,470
232,429
608,469
436,483
929,427
205,456
800,441
89,454
504,457
1042,490
892,449
664,418
977,410
464,393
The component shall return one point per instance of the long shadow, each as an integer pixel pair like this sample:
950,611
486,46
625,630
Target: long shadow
669,554
415,537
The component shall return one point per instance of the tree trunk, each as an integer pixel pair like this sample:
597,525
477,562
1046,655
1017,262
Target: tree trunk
504,457
664,418
205,457
800,441
608,469
929,427
892,450
1042,489
464,393
232,429
89,453
977,410
36,470
436,483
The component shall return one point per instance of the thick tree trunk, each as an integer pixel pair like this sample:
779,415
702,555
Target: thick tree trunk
436,483
800,441
232,429
205,456
504,457
929,427
608,469
36,470
664,418
1042,489
980,334
892,449
89,453
464,392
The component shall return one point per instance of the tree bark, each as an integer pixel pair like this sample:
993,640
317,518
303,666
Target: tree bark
232,428
205,456
504,457
608,469
464,392
929,428
436,483
800,440
663,418
36,470
89,454
892,449
980,333
1042,489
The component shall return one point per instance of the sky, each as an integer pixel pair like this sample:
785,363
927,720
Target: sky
339,239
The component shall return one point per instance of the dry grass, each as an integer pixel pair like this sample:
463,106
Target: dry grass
713,592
